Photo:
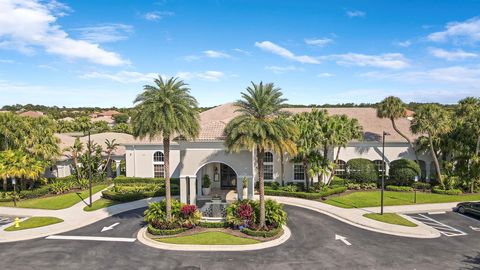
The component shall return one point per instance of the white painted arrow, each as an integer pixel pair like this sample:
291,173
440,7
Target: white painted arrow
109,227
343,239
475,228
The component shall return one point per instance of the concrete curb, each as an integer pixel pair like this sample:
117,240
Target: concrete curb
142,238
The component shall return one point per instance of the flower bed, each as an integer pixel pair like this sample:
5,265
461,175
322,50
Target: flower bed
183,217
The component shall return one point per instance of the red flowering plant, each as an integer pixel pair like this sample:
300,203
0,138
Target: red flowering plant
245,213
190,215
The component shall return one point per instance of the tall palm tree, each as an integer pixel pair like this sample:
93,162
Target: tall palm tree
111,146
432,120
259,127
282,147
76,151
166,109
393,108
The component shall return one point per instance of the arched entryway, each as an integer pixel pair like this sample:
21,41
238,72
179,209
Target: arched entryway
222,176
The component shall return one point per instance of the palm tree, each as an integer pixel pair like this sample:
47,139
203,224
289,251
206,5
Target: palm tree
165,110
76,151
393,108
432,120
281,149
259,127
111,146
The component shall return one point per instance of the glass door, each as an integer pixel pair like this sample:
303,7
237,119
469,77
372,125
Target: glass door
228,177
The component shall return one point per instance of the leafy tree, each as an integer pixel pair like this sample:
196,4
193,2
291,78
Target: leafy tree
165,110
432,120
121,118
75,151
101,126
393,108
259,127
111,146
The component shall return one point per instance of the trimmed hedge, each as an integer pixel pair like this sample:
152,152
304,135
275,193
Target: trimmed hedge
123,180
403,171
447,191
205,224
306,195
156,231
362,170
399,188
133,196
265,234
422,186
34,193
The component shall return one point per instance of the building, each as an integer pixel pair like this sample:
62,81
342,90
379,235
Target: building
34,114
206,155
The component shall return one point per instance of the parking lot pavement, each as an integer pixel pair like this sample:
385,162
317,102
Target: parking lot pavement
450,224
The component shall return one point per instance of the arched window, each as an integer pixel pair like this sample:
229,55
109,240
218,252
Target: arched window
158,165
268,166
341,168
379,164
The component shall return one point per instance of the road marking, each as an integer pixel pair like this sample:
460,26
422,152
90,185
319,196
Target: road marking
439,226
343,239
477,229
91,238
437,213
109,227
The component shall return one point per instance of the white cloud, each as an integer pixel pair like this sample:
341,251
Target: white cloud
210,75
28,24
355,13
461,32
275,49
157,15
6,61
122,76
325,75
320,42
405,43
242,51
105,33
281,70
451,55
386,60
215,54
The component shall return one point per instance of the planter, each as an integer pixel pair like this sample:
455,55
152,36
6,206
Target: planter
206,191
245,193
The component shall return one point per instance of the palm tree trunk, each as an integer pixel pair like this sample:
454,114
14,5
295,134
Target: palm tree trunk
477,149
435,160
5,184
260,156
282,169
166,164
332,174
305,172
325,156
406,138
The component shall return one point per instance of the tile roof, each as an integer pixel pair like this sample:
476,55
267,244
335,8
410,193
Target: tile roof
33,114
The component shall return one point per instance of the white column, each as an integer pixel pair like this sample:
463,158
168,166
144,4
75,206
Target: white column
183,190
117,167
250,187
193,190
239,188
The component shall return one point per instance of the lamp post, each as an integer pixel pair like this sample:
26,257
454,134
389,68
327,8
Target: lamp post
14,184
90,166
415,189
383,171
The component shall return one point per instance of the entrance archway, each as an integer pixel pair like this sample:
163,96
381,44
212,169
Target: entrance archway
222,176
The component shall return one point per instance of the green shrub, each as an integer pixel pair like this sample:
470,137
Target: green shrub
289,188
205,224
399,188
306,195
34,193
337,181
403,171
272,185
122,197
156,231
274,214
422,186
157,210
233,212
60,186
362,186
270,233
362,170
439,190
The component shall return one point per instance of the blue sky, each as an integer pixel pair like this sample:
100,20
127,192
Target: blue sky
101,53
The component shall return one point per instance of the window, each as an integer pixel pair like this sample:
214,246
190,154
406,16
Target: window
158,170
158,157
379,165
158,165
268,166
341,169
298,172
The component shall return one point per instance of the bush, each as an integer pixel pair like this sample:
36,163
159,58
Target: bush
151,229
362,186
362,170
274,214
439,190
403,171
422,186
123,180
272,185
399,188
122,197
60,186
183,215
237,215
205,224
306,195
289,188
337,181
270,233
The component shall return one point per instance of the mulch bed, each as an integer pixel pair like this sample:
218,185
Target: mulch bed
197,230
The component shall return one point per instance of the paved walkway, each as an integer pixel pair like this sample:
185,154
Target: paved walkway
74,217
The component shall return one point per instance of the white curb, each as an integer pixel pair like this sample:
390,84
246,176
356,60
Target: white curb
142,237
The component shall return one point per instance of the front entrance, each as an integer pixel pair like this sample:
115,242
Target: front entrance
228,177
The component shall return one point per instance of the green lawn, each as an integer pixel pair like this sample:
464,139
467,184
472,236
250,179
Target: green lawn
362,199
391,218
34,222
99,204
55,202
208,238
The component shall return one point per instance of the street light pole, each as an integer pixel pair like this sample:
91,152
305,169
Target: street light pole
90,166
383,171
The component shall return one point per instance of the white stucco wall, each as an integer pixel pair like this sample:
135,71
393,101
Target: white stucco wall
139,160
